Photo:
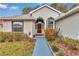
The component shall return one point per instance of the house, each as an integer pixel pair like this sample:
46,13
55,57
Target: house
36,21
69,23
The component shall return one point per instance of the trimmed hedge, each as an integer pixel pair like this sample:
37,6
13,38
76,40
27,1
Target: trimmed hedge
12,36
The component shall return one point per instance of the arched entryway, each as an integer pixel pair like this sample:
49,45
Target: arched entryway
39,26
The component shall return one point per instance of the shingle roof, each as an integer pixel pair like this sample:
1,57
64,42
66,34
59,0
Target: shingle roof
19,17
69,13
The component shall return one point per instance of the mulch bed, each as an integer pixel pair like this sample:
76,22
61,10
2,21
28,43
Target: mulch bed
64,48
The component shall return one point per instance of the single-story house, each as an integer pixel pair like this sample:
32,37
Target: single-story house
36,21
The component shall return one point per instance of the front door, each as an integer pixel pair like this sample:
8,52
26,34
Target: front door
39,28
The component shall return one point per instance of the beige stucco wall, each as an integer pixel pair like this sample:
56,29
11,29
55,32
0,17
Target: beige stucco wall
69,27
7,26
29,27
1,28
45,13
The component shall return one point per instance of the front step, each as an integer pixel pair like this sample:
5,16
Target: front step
39,35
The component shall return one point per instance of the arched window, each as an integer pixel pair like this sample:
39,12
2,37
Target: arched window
50,22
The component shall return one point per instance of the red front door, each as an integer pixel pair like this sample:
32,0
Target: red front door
39,28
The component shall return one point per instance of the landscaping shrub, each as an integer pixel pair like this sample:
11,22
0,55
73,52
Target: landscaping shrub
12,36
67,46
71,43
51,34
55,48
49,38
2,40
60,54
10,40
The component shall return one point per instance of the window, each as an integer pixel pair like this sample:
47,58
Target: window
17,26
50,23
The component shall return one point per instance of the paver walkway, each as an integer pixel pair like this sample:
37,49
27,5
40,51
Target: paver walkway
41,47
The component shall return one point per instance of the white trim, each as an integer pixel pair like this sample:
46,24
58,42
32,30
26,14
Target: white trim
52,19
45,5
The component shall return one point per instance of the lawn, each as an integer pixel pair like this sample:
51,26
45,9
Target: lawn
17,48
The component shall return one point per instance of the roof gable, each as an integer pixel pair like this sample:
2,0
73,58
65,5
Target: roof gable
47,7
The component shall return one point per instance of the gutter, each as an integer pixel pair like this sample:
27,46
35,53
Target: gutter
17,19
69,13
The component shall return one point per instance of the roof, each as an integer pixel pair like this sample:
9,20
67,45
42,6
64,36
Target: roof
69,13
18,17
28,16
45,5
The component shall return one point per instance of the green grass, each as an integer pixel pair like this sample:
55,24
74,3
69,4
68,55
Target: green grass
18,48
60,54
55,48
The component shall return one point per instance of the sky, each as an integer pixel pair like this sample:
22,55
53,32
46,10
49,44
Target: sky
11,9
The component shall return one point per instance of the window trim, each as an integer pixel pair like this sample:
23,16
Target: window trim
22,26
49,25
49,20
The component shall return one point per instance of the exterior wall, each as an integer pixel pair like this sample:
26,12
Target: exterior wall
1,28
29,28
45,13
69,27
7,26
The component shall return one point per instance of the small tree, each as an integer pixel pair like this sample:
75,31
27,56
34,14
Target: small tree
60,6
26,10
